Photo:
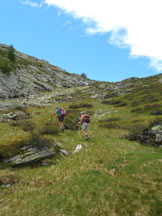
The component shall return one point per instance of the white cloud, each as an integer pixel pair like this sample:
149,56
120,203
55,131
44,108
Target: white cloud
33,4
132,23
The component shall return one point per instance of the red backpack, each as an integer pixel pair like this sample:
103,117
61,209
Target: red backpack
86,118
63,112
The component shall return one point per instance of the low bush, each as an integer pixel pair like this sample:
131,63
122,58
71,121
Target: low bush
121,104
155,122
5,66
110,125
11,146
149,99
111,102
111,95
49,128
37,141
156,112
137,110
24,61
151,106
134,103
76,106
21,108
27,126
136,131
110,119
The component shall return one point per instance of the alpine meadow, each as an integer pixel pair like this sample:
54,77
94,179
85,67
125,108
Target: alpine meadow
45,171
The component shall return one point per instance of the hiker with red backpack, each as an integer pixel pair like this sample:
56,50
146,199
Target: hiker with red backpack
60,115
84,121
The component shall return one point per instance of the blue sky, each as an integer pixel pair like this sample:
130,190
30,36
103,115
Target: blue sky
81,40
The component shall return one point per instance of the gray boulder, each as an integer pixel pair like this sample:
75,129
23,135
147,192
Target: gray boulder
157,131
31,155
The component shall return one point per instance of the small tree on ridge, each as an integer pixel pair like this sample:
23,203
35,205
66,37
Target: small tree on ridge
11,53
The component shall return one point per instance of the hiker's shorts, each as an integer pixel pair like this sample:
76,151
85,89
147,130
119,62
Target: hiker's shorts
60,118
85,126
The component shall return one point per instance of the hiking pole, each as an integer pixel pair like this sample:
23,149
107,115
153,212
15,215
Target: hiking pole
51,119
79,127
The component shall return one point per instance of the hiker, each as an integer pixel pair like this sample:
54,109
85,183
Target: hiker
61,114
84,121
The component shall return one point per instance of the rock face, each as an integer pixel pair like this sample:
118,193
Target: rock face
30,75
29,156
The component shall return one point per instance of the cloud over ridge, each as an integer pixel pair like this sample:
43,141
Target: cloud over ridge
132,23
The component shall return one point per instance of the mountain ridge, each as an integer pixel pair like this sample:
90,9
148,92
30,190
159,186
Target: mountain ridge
29,75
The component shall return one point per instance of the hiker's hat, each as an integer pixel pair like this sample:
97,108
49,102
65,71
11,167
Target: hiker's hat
82,113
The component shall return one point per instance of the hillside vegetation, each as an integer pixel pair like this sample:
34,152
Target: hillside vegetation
113,173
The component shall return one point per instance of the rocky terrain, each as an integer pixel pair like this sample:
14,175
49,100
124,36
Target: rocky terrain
30,75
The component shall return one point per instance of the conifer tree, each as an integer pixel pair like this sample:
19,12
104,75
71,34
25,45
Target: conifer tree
11,53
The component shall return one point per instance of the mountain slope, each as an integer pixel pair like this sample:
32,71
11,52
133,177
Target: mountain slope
28,75
111,175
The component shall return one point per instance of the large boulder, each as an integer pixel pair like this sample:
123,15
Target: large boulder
157,132
30,155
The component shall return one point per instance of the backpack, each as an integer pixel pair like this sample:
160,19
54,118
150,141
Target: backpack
86,118
63,112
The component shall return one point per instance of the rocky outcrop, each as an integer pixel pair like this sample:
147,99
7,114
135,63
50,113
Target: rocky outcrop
30,155
30,75
17,115
151,136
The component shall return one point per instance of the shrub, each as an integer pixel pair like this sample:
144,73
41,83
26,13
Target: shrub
11,146
27,126
134,103
151,106
156,112
76,106
121,104
112,102
110,125
136,132
37,141
137,110
83,75
24,61
5,66
149,98
155,122
110,119
49,128
111,95
21,108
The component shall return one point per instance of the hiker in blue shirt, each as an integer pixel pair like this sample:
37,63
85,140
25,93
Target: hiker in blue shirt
60,115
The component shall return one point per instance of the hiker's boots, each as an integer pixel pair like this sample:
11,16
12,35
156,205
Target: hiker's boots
62,128
87,137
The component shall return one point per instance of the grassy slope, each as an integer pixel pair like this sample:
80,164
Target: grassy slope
109,176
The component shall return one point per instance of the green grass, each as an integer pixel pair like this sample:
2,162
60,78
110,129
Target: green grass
109,176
